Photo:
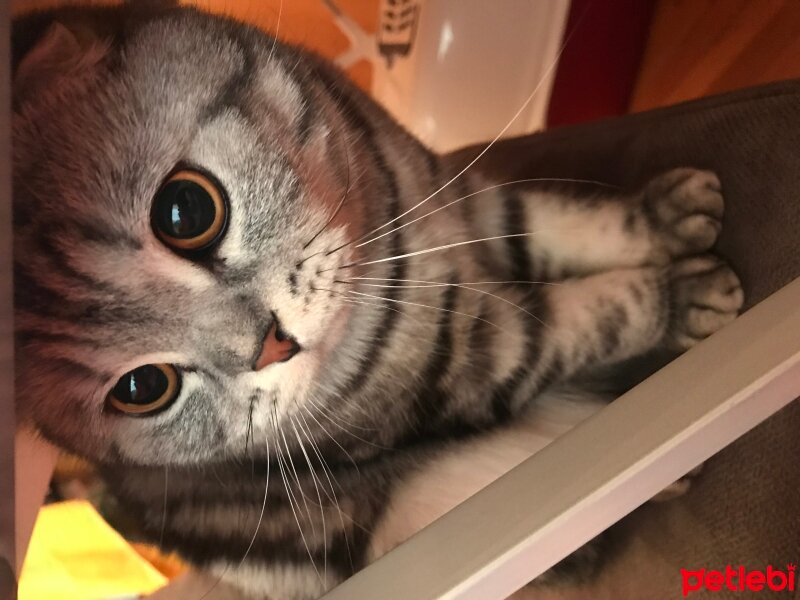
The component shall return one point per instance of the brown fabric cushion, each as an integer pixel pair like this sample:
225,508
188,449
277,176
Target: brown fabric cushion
745,507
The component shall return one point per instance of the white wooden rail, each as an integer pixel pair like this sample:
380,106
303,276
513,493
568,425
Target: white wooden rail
535,515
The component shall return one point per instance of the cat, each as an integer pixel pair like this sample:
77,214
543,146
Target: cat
280,325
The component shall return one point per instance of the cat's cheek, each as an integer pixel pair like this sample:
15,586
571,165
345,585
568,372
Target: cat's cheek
190,431
335,335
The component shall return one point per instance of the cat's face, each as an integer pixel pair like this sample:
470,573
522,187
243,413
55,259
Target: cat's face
104,290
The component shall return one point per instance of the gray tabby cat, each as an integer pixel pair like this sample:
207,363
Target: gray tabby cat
286,330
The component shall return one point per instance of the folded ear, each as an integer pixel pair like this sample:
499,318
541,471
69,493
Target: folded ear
59,53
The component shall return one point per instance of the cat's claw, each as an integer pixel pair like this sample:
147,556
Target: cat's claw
705,296
684,207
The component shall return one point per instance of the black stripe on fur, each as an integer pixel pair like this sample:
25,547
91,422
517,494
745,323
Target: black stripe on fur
515,223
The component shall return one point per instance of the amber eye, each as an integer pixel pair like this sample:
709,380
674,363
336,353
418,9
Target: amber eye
145,390
189,211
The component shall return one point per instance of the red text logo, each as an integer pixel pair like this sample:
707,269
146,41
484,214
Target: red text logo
739,579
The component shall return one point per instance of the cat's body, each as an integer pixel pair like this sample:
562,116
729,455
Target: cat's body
285,477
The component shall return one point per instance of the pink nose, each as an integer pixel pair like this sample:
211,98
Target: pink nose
277,347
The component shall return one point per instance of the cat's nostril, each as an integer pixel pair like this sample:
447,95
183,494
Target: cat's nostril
277,346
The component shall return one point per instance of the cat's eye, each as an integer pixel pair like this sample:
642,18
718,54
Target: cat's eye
189,211
146,389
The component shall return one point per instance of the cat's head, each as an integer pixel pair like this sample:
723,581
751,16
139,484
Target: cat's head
174,265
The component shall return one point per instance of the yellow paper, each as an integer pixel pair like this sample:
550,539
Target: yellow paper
75,555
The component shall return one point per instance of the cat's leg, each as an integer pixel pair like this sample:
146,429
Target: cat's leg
561,233
602,319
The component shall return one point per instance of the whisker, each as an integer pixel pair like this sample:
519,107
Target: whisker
343,297
338,208
343,428
290,496
471,289
370,304
326,469
486,189
300,490
317,452
333,439
455,312
489,146
249,436
277,29
216,583
164,509
261,514
350,518
347,402
217,477
444,247
410,263
442,283
319,499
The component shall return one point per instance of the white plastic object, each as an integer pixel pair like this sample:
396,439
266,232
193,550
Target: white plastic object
455,72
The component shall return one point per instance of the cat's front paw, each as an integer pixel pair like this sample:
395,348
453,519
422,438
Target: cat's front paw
705,295
684,209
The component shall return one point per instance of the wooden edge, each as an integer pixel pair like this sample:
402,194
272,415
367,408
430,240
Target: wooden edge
7,421
35,460
538,513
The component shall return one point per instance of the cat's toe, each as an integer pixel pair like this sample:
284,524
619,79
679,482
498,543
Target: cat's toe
684,207
706,295
679,487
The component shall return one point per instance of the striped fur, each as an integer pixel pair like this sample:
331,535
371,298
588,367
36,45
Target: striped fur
286,480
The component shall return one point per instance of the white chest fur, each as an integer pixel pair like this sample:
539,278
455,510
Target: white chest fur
473,464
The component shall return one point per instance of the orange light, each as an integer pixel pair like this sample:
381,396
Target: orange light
74,555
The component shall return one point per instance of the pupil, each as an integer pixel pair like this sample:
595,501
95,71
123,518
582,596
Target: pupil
184,209
141,386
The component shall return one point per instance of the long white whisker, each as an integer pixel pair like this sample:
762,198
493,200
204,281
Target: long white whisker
217,477
370,304
336,210
486,189
433,284
350,518
455,312
164,509
261,514
471,289
447,246
344,429
491,144
319,499
326,470
277,29
317,452
344,401
374,304
290,497
333,439
300,491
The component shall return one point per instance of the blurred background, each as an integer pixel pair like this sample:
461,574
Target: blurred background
455,72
